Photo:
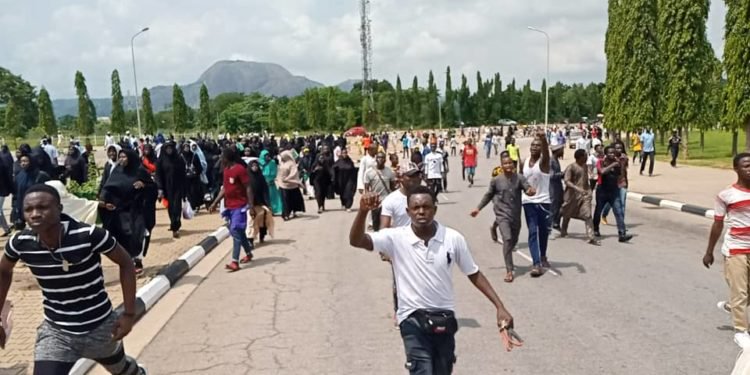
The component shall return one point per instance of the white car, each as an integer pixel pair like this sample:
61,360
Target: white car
575,134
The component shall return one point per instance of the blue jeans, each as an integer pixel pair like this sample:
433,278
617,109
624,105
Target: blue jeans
239,239
426,353
537,220
613,200
623,198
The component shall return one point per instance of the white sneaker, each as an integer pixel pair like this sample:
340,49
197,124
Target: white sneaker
142,370
724,306
742,339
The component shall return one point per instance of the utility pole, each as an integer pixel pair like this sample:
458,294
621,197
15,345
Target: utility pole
135,80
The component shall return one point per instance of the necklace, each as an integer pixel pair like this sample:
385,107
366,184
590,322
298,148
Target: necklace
65,263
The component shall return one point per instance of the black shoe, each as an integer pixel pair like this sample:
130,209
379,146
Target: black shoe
138,264
597,234
625,238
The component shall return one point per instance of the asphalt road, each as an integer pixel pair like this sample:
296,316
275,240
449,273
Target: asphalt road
310,304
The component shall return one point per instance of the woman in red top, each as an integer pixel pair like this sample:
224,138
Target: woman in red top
149,158
470,160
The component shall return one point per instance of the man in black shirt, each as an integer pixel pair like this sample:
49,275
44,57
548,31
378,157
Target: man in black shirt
65,257
608,192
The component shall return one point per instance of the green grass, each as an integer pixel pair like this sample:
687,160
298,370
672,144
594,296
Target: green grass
717,151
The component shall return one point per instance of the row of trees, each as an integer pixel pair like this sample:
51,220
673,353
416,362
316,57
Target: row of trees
320,109
663,73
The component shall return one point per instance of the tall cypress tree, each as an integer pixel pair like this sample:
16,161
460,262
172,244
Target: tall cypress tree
118,112
464,105
497,99
449,111
613,48
13,121
433,105
85,122
47,120
688,63
149,123
736,52
204,117
399,105
416,103
179,109
331,109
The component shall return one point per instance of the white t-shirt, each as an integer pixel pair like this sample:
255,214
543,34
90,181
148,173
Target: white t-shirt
582,144
365,164
539,180
733,208
595,142
423,273
434,165
394,206
591,162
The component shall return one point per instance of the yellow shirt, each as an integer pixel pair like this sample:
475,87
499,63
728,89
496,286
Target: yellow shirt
635,142
513,150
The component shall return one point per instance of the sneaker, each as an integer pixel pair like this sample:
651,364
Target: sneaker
604,220
493,234
595,242
597,234
536,272
142,370
176,234
246,259
742,339
626,238
233,266
724,306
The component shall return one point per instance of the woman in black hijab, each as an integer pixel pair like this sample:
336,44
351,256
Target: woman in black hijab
6,186
170,178
193,170
126,202
345,179
261,212
75,165
322,176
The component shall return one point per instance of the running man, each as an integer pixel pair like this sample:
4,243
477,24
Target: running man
64,256
470,160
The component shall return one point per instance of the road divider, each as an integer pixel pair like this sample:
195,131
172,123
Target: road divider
673,205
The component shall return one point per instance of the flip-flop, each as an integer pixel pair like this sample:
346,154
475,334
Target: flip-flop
510,339
508,278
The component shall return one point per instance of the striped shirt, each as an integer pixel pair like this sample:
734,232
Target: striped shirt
70,277
733,208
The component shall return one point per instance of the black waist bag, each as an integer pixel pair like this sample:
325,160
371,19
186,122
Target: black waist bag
437,322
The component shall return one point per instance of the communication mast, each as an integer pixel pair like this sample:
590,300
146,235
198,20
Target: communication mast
366,41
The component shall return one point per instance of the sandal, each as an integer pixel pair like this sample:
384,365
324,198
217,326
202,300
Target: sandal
508,277
536,272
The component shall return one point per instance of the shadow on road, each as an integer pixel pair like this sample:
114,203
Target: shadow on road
468,323
260,262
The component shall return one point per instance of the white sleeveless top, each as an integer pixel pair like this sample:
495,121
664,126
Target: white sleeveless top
539,180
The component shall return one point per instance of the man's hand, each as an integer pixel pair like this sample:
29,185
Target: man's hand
369,201
109,206
474,212
122,327
212,208
708,260
531,191
138,185
504,319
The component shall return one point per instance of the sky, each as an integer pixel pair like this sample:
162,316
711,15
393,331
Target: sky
46,41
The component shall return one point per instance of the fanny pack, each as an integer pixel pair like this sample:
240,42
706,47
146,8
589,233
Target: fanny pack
438,322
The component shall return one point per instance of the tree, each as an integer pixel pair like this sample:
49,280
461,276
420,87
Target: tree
497,99
273,116
47,120
736,51
13,119
296,115
465,112
179,109
416,103
24,97
331,122
149,123
399,104
688,63
633,79
449,111
117,117
351,117
85,114
204,116
433,103
313,110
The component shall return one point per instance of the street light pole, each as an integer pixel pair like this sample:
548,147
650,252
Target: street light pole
546,94
135,80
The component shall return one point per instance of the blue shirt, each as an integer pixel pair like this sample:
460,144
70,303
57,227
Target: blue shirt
647,139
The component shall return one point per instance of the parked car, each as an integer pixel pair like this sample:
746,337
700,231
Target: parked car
355,131
575,134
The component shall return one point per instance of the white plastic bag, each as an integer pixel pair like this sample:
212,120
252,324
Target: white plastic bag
742,366
187,210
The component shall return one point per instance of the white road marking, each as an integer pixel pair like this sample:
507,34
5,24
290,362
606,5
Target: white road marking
524,256
444,197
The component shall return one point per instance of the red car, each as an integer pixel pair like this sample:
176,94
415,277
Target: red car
355,131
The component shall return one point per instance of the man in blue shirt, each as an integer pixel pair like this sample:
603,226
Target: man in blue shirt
647,140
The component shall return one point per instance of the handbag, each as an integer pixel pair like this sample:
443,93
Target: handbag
438,322
187,210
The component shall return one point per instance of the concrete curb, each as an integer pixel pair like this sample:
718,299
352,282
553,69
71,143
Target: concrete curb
677,206
149,294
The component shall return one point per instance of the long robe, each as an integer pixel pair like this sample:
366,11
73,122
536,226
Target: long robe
577,205
170,178
194,188
345,180
270,170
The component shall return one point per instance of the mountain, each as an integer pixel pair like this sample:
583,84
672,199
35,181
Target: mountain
348,85
222,77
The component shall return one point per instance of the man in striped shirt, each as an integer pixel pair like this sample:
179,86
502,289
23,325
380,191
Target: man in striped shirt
65,257
733,210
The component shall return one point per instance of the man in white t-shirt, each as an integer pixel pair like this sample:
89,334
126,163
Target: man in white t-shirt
422,255
583,143
434,169
109,140
393,213
591,163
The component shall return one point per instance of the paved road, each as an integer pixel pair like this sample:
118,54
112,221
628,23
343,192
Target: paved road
310,304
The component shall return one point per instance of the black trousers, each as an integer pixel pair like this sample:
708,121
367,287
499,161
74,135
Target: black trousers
650,156
435,185
375,216
427,353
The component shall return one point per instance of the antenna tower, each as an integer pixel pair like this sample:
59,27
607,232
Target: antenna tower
366,40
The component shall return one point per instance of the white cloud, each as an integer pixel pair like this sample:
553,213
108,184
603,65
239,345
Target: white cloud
47,41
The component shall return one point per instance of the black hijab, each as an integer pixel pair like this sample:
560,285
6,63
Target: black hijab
261,194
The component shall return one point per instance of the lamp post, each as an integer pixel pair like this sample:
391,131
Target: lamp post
546,94
135,80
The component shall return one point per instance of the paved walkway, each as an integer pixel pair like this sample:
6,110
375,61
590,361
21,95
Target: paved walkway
27,298
311,304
